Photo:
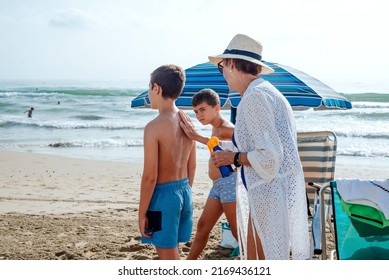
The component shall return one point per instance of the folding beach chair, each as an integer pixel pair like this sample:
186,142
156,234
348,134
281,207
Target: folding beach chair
317,152
361,225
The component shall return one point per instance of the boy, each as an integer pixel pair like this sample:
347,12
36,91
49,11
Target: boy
165,207
222,197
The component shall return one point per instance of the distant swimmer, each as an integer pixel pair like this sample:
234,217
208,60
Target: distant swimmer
29,112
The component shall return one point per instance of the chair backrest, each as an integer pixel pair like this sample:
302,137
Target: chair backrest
355,239
317,152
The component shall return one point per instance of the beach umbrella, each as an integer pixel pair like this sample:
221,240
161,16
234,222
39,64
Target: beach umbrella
301,90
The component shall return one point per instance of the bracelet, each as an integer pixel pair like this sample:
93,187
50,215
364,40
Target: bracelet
237,162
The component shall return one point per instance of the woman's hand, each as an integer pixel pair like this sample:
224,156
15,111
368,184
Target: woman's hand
220,158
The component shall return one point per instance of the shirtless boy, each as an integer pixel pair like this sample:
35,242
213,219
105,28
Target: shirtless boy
165,207
222,197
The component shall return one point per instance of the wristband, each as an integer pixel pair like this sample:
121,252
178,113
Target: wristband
237,163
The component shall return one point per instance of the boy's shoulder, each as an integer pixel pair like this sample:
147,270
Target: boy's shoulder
159,123
224,131
226,124
154,122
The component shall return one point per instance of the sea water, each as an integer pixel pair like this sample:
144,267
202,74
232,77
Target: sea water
94,120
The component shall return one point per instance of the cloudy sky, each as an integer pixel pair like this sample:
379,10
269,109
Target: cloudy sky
343,43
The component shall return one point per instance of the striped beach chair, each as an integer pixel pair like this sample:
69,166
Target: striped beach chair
317,152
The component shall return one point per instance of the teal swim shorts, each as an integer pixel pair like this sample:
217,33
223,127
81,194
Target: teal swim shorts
174,201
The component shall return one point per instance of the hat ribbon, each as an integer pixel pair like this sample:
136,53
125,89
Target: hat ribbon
246,53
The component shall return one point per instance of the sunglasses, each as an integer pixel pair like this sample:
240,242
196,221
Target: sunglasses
220,67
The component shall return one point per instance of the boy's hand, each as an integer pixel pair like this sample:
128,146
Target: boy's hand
143,225
187,125
189,129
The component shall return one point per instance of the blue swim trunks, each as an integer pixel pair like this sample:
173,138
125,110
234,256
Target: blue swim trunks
224,189
174,200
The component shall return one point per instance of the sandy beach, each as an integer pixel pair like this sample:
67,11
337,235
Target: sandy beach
64,208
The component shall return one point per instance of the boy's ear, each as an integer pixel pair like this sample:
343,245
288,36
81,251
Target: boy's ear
217,107
158,89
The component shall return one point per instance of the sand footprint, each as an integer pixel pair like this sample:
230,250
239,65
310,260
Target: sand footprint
131,248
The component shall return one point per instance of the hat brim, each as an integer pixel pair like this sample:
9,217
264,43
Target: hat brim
265,69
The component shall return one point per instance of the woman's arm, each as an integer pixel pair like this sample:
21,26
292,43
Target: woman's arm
259,117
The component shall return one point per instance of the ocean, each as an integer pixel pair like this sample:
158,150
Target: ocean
94,120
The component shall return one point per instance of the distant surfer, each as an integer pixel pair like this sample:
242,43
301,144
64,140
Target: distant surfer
29,112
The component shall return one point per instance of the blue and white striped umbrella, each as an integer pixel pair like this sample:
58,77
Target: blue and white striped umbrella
301,90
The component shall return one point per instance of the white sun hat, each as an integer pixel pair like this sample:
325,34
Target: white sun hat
246,48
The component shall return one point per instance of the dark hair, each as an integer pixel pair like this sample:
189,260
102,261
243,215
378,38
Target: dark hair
245,66
171,78
206,95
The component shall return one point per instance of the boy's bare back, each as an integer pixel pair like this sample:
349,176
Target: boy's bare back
174,148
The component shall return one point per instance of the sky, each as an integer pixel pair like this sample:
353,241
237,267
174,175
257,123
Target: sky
343,43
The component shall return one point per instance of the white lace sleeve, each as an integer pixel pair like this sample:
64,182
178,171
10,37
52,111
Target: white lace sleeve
227,145
267,157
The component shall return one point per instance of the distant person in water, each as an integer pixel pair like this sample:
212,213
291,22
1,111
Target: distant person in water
29,112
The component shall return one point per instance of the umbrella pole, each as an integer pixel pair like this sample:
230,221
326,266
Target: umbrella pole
233,115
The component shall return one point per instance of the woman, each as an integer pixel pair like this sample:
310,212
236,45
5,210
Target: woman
271,201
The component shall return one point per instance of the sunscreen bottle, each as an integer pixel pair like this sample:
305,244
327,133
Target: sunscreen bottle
213,145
